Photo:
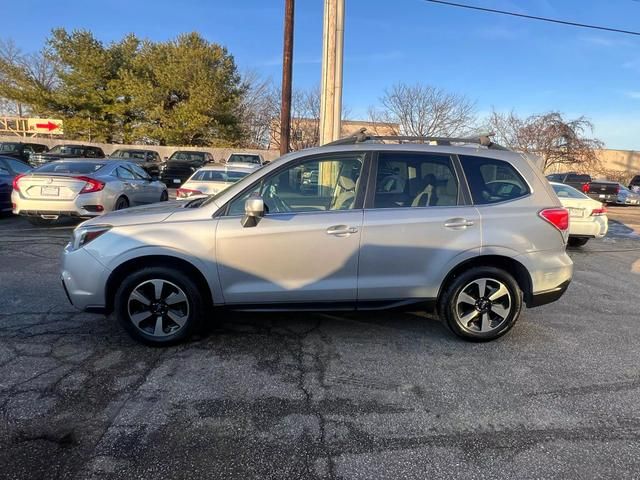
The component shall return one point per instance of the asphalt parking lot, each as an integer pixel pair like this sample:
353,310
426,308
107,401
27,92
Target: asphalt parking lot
384,396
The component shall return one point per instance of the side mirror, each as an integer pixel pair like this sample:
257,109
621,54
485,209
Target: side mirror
253,211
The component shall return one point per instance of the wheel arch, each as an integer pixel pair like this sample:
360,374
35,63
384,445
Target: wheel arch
129,266
516,269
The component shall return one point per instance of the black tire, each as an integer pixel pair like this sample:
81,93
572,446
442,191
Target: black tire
577,241
41,222
164,196
449,307
121,203
124,305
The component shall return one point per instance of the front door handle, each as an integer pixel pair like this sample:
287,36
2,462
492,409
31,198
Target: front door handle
458,223
341,230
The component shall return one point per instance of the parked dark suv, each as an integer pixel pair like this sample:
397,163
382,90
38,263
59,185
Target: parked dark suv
21,151
66,151
181,165
149,160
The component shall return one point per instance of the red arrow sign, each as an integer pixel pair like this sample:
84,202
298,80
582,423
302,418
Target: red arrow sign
47,126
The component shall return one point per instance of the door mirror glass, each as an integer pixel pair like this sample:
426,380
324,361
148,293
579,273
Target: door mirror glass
253,211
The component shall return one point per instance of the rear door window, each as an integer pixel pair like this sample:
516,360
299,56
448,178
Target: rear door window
124,174
492,181
578,178
415,180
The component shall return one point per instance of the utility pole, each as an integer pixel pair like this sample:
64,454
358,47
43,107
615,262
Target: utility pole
287,72
332,56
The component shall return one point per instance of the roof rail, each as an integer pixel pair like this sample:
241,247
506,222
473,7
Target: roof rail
361,136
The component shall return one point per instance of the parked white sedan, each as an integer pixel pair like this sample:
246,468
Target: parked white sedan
588,217
211,180
83,188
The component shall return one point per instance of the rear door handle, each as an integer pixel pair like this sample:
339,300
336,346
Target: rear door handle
458,223
341,230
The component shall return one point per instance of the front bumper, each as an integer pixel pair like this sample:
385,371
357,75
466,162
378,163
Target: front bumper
83,279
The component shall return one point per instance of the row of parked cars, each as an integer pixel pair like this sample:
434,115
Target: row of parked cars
58,183
172,171
586,200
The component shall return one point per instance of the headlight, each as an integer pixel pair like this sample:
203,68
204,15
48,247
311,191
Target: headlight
83,235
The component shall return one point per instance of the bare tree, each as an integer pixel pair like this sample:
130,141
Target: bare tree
423,110
24,72
305,119
556,140
257,109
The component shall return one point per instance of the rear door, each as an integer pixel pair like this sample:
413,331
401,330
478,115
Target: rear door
131,187
150,191
418,224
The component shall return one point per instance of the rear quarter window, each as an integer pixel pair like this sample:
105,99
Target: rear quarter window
493,181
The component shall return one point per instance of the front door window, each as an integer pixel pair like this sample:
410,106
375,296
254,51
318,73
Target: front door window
316,185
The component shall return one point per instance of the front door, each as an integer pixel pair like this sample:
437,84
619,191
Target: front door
416,227
305,249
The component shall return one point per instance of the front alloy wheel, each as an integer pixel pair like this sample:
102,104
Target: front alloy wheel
158,308
159,305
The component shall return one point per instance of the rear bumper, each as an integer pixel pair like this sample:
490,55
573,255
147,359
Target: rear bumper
550,296
68,208
596,227
606,198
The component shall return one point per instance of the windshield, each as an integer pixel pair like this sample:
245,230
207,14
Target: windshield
187,156
8,147
238,158
140,154
218,176
70,167
67,150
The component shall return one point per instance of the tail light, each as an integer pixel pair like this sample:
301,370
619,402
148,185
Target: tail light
92,185
617,189
186,192
599,211
558,217
585,188
16,187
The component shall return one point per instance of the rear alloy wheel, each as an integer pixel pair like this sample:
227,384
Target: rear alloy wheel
121,203
578,241
158,306
482,304
164,196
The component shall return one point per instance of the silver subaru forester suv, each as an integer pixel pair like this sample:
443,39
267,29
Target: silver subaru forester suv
462,227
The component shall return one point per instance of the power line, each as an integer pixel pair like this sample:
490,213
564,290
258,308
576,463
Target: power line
533,17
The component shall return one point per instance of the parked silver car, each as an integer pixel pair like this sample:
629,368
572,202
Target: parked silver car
444,238
83,188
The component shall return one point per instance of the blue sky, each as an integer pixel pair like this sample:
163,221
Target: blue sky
500,62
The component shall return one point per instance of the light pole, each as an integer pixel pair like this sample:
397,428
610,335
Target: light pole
331,84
